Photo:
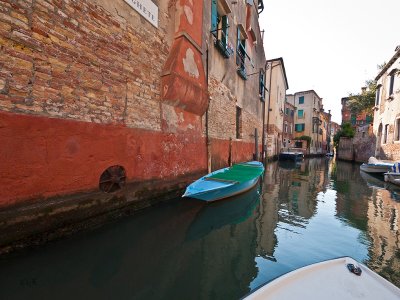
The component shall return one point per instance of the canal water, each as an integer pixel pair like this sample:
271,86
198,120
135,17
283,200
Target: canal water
185,249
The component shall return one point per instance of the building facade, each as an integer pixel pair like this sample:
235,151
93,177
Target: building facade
326,132
116,103
277,85
387,110
308,119
236,80
355,120
288,126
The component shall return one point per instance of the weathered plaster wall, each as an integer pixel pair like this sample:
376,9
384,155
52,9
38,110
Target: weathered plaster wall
387,112
81,90
364,143
43,157
345,149
228,90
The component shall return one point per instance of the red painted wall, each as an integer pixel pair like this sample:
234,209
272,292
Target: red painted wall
43,157
240,151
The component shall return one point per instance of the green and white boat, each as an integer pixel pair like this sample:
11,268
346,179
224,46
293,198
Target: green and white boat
226,182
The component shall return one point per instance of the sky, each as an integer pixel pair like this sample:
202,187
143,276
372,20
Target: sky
331,46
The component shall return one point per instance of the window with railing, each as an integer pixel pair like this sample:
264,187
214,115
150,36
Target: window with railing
220,26
241,55
262,85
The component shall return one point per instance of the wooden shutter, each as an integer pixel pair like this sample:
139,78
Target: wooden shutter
225,30
214,16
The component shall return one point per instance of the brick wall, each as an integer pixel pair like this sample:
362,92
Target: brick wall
87,76
75,60
345,149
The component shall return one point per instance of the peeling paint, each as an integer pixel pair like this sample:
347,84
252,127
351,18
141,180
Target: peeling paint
189,14
171,116
165,90
190,65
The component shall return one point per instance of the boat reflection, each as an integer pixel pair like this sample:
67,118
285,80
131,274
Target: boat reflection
218,214
375,181
289,164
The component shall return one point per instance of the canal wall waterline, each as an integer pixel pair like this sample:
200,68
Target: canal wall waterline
35,223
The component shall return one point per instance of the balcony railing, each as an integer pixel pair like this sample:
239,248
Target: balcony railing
241,56
222,46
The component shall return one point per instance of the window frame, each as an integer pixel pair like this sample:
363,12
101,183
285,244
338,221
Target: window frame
385,134
302,127
397,129
262,85
392,75
378,94
239,128
220,27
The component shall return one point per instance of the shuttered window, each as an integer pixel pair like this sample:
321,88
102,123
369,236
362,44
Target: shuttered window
299,127
262,85
214,15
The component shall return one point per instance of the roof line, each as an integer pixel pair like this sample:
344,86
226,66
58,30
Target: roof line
283,67
389,64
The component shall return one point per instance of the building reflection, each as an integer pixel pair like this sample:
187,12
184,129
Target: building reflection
383,231
368,203
289,199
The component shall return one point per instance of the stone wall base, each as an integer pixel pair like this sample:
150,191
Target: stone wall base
31,224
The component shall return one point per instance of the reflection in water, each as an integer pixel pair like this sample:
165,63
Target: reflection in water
312,211
218,214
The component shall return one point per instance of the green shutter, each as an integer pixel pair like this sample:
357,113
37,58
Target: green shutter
353,119
214,16
237,47
262,85
225,30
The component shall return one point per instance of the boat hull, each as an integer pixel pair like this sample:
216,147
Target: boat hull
328,280
224,192
392,178
376,168
209,188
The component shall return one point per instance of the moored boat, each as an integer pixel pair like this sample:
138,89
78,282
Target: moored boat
392,177
226,182
341,278
376,166
294,156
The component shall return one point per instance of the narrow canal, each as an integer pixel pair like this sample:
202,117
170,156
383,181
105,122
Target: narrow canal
184,249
